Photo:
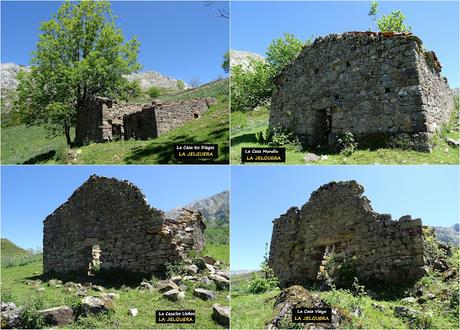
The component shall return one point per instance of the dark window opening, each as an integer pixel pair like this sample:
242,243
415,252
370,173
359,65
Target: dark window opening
195,116
336,97
316,71
387,90
348,63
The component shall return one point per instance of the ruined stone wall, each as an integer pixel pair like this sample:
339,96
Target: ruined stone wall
339,219
172,115
114,216
374,85
105,120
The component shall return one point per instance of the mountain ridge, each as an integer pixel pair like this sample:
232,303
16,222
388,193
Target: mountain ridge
215,208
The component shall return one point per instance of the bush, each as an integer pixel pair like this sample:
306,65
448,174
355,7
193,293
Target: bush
393,22
180,85
174,268
252,86
153,92
346,144
282,138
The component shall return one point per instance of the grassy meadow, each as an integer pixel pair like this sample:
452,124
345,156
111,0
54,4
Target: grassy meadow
437,308
245,126
21,144
17,285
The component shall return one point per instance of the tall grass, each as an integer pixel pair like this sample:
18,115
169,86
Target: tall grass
20,260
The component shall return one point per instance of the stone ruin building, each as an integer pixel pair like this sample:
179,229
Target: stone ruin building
108,223
104,119
339,219
378,86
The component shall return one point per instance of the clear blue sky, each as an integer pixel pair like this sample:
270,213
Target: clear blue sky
183,40
261,194
256,24
30,193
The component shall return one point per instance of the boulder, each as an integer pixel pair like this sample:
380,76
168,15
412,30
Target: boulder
404,312
99,288
96,305
146,286
176,279
210,268
221,282
61,315
209,260
174,295
54,283
111,295
204,294
191,269
453,142
298,297
409,300
223,274
167,285
10,315
309,158
221,315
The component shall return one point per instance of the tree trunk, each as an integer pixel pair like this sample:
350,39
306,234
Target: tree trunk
67,134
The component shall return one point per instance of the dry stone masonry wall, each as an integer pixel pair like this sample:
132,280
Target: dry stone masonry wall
105,120
339,218
111,219
374,85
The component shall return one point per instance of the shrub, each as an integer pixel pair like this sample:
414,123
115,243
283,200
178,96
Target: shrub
153,92
251,86
180,85
282,138
393,22
259,284
175,268
346,144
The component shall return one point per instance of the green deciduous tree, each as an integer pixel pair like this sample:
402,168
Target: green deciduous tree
226,62
80,54
283,51
252,86
394,22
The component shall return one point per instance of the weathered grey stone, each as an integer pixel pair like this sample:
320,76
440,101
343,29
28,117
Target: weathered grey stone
298,297
96,305
221,315
204,294
404,312
98,288
338,219
107,224
61,315
309,157
373,85
174,295
409,300
146,286
221,282
191,269
103,119
209,260
167,285
10,315
452,142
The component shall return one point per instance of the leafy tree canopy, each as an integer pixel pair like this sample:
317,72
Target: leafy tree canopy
80,54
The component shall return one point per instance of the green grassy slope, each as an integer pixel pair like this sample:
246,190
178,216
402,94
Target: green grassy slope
8,248
14,288
245,125
438,311
20,144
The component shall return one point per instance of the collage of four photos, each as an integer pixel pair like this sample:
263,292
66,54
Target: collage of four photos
230,164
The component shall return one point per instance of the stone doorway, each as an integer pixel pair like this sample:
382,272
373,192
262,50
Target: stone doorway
323,127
